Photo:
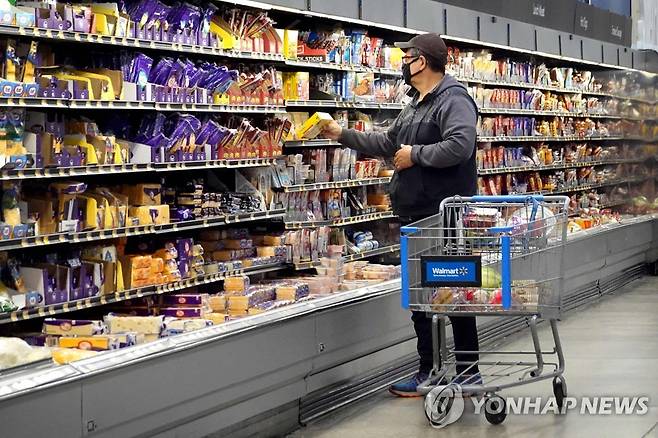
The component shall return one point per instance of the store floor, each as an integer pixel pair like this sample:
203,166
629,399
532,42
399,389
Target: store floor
611,349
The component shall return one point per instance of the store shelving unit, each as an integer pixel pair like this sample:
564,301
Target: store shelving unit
139,230
134,43
298,225
138,105
531,112
342,104
113,169
557,166
320,142
337,184
586,187
102,300
373,252
306,339
343,67
603,206
389,249
530,86
537,138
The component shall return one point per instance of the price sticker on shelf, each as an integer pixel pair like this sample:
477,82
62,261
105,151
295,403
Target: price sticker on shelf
21,31
90,38
103,299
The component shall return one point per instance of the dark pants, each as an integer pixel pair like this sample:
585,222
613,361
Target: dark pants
464,331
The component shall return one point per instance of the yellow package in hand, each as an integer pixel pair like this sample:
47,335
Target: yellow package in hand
314,125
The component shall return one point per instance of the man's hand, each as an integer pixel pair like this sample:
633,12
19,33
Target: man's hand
332,131
403,158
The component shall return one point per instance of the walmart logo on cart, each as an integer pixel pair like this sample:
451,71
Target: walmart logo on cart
447,271
461,271
456,272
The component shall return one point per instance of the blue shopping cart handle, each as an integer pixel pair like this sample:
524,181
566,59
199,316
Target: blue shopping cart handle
497,230
508,198
408,230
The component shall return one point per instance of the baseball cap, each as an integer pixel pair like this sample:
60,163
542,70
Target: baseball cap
431,44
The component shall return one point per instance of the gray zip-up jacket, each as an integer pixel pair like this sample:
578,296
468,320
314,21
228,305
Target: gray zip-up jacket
442,132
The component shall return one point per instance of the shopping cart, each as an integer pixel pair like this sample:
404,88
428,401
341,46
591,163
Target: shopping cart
499,256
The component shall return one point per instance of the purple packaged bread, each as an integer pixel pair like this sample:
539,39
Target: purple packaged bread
184,300
183,312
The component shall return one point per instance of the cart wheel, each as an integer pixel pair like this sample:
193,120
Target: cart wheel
495,410
444,405
560,391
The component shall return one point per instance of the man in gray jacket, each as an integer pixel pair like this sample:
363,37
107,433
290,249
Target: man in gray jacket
433,144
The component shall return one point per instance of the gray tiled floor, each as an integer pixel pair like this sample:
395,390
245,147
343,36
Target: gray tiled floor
611,348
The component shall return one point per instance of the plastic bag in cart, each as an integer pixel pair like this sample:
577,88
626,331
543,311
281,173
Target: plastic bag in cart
541,225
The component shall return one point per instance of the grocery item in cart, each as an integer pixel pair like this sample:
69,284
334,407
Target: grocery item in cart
542,221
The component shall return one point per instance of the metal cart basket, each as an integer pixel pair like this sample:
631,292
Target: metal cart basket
499,256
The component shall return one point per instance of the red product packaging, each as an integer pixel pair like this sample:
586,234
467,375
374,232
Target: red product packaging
493,100
264,148
492,187
360,125
499,184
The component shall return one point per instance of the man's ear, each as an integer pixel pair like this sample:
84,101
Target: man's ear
423,64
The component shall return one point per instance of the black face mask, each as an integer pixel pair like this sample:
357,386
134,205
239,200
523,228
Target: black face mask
406,72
